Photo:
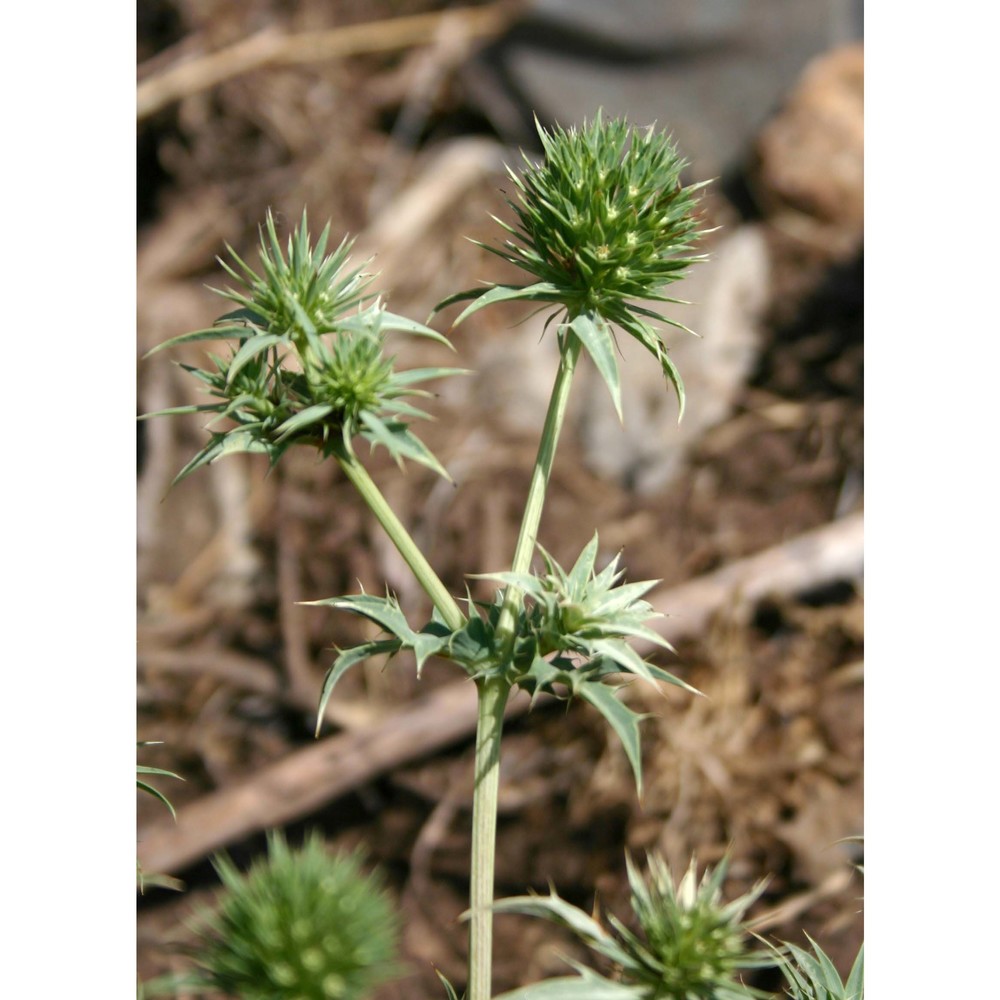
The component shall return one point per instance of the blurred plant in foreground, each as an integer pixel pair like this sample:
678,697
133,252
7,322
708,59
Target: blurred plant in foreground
302,924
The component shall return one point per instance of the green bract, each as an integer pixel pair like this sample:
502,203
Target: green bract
304,924
604,224
144,878
572,635
690,945
812,976
308,364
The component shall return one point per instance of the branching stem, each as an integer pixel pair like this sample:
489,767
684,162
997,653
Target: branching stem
400,537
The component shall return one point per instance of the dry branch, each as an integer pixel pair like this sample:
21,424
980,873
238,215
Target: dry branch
313,777
272,48
833,552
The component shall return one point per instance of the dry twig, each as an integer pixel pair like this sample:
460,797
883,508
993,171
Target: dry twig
272,48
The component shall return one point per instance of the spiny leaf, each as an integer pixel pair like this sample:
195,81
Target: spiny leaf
541,291
253,347
212,333
400,442
575,988
347,659
622,720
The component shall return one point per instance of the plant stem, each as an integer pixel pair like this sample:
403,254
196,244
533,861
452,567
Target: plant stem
422,570
528,538
493,692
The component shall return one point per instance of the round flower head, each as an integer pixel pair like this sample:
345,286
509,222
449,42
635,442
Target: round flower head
301,923
604,223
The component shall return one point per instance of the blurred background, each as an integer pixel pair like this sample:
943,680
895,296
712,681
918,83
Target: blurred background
393,120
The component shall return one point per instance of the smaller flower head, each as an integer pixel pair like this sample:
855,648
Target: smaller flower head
687,945
308,363
692,944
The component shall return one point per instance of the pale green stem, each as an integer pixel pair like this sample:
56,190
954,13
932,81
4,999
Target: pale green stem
400,537
493,692
528,538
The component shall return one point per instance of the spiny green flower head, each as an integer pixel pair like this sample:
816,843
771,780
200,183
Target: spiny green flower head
300,925
309,363
602,223
690,945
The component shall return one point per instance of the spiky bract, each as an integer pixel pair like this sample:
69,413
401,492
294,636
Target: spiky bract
572,636
813,976
689,944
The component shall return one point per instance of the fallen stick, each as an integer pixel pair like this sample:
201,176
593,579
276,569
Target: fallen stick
308,779
272,48
814,559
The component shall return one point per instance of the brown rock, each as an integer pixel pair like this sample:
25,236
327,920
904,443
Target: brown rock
810,158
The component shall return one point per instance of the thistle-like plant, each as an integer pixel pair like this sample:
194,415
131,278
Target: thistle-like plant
690,945
308,364
604,224
305,924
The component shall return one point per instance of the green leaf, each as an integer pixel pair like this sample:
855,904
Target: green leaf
240,439
144,786
212,333
384,611
855,987
414,375
662,675
583,568
597,338
174,411
542,291
622,720
249,350
143,769
473,647
553,908
625,656
575,988
449,989
347,659
157,881
651,341
392,322
400,442
304,418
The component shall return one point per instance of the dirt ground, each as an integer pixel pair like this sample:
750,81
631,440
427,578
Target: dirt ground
768,766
